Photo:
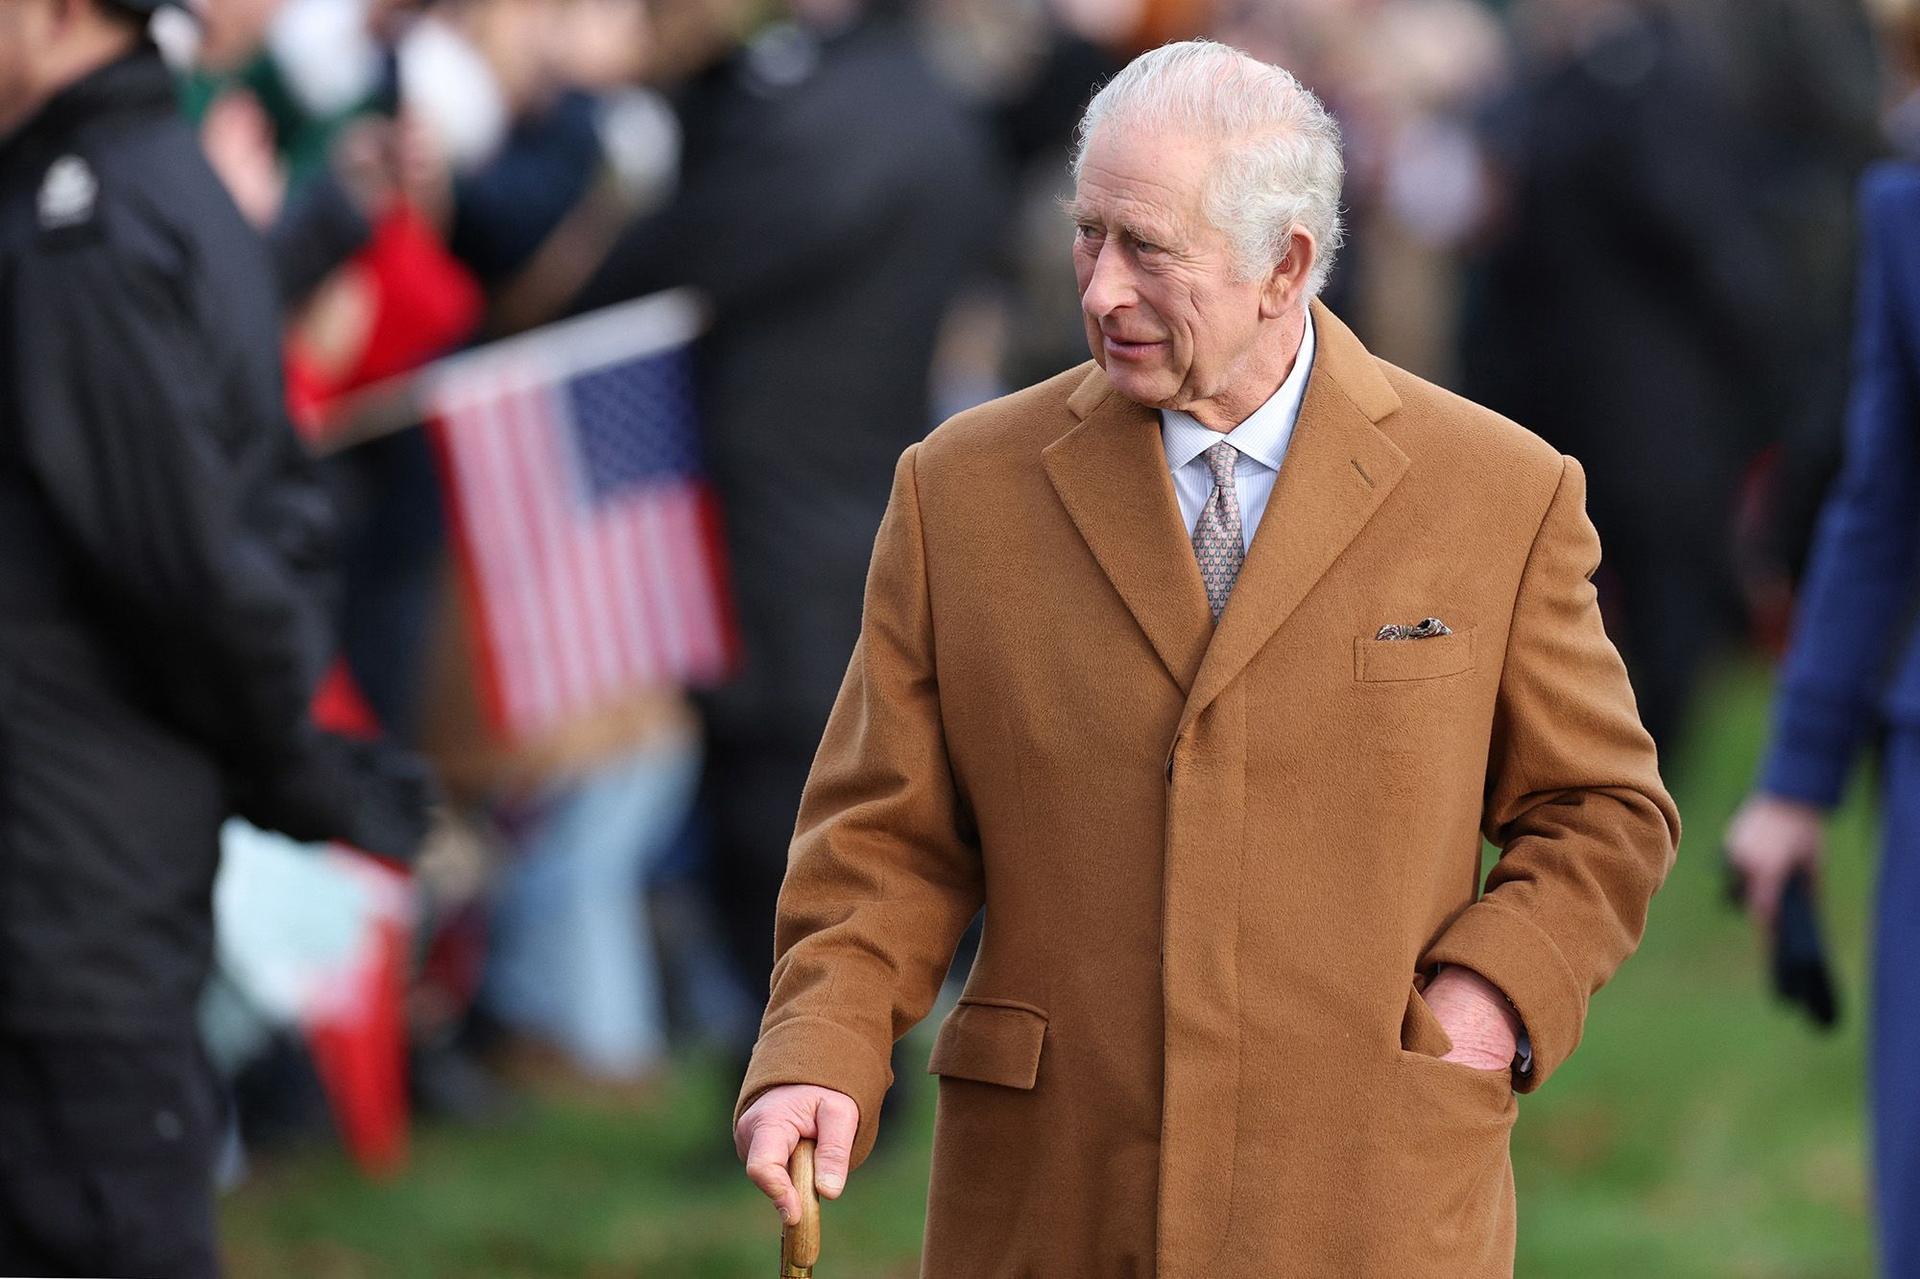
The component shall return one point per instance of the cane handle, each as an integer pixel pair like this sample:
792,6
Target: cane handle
800,1242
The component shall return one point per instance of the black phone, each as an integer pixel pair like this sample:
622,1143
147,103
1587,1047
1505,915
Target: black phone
1801,975
1800,972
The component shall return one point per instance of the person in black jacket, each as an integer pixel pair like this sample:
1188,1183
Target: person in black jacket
833,200
164,618
1623,313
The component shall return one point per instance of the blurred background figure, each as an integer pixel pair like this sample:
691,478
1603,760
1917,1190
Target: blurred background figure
425,162
1852,672
166,628
1026,69
1407,80
1901,45
579,817
830,206
1624,312
567,990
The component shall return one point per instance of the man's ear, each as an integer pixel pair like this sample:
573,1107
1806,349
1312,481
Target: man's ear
1286,283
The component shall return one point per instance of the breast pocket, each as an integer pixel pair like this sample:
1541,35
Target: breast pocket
1435,656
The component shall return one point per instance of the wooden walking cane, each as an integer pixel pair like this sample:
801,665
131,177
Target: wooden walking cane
800,1242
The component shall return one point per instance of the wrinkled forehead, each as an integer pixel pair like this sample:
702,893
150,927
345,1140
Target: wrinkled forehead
1145,170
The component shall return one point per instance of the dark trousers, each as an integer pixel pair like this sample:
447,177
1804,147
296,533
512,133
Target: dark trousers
751,790
106,1158
1894,1050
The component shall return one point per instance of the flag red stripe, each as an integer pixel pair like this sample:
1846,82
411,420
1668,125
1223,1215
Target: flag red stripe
499,616
519,608
595,637
695,606
662,580
475,569
533,443
640,535
719,579
639,665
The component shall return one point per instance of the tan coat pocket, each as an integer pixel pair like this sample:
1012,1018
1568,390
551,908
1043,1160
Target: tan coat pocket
993,1043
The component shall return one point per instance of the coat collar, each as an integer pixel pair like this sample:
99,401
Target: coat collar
1111,475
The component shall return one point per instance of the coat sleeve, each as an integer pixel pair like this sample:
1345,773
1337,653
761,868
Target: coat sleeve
1853,605
1574,801
203,535
884,873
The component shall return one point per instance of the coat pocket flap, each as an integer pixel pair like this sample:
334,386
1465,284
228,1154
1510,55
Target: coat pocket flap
991,1043
1421,1031
1436,655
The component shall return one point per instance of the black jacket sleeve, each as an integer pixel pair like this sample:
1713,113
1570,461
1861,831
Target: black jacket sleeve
161,444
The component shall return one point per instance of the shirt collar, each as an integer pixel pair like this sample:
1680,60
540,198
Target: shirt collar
1266,432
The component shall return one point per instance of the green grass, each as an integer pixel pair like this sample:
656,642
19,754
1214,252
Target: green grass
561,1191
1699,1132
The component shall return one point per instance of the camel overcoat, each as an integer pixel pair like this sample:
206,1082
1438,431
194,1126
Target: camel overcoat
1216,860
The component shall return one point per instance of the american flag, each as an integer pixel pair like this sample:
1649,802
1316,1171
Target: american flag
588,536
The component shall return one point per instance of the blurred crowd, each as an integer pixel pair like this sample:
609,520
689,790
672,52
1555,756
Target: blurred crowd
1627,224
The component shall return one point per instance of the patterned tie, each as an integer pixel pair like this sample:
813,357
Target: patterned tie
1216,536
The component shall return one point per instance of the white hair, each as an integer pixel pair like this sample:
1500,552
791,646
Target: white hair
1280,165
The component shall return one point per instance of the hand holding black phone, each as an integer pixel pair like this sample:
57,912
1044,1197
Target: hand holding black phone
1801,975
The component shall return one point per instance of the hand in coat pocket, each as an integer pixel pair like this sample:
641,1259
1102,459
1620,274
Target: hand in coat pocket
1480,1024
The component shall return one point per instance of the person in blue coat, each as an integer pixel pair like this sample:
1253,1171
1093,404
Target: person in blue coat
1853,669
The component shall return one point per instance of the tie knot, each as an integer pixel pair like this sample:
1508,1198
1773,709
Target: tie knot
1220,459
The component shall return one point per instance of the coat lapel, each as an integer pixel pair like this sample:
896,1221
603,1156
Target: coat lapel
1338,469
1111,474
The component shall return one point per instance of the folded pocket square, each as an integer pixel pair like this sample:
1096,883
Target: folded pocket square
1421,629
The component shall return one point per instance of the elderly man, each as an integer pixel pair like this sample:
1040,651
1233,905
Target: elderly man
1205,667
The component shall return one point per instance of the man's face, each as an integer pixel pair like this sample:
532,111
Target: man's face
522,43
603,44
26,26
690,35
233,31
1164,313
